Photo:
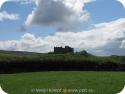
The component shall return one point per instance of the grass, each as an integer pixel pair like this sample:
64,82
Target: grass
96,82
6,56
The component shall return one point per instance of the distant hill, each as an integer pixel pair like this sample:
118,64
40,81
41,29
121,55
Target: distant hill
17,52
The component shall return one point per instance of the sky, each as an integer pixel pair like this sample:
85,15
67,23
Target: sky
97,26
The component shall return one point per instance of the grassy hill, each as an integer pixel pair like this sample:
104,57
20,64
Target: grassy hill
25,56
15,61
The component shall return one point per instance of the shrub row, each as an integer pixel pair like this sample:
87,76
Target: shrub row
58,65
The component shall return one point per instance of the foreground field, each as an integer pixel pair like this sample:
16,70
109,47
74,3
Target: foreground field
67,82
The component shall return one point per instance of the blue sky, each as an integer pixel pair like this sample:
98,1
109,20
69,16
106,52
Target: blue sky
93,17
101,11
105,10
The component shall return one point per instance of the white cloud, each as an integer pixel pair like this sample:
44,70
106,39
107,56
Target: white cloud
105,39
63,14
8,16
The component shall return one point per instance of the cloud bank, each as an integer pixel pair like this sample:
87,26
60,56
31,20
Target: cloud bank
104,39
63,14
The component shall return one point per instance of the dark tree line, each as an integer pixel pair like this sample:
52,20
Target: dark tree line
58,65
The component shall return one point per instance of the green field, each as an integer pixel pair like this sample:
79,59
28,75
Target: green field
67,82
